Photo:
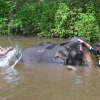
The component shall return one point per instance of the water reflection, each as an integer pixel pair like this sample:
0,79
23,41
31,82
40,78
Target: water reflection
9,74
41,81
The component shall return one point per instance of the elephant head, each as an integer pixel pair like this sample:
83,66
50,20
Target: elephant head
74,53
63,52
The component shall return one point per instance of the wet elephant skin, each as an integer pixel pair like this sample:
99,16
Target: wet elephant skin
43,52
70,52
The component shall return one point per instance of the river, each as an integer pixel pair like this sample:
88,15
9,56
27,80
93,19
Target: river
41,81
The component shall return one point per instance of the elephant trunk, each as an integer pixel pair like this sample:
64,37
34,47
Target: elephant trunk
80,51
87,59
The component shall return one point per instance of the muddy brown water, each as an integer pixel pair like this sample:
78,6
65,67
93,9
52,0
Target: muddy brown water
41,81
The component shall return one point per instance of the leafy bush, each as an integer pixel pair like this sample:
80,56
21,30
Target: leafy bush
63,21
54,18
47,13
26,20
86,25
6,8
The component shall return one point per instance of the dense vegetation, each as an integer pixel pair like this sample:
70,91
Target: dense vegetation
51,18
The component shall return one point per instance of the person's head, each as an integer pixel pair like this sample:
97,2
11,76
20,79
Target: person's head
98,47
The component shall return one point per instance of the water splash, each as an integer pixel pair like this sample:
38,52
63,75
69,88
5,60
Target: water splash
8,63
11,58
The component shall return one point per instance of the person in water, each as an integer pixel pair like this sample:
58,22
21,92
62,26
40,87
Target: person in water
96,51
3,51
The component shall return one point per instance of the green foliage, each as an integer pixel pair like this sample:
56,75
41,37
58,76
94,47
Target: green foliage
46,19
51,18
63,21
26,20
6,8
86,25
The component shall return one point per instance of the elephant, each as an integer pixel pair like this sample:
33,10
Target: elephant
70,52
75,53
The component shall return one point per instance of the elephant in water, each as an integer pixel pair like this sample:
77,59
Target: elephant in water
75,53
70,52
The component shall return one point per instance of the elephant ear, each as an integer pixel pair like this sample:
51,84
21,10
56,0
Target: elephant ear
88,60
66,45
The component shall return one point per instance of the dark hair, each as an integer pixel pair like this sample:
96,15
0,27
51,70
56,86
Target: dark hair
98,44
